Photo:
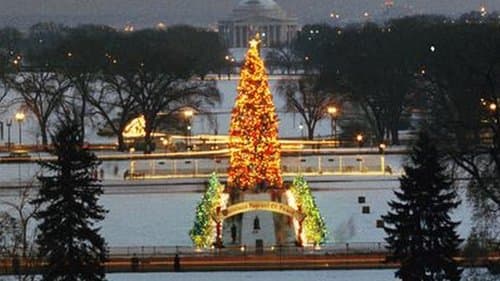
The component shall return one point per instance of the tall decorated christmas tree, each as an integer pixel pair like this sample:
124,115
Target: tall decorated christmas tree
253,135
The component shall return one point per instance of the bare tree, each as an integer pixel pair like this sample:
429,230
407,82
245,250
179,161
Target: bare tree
10,57
115,105
23,213
282,57
162,93
80,57
17,233
41,93
308,99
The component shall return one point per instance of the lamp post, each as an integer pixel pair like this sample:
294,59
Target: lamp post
9,124
132,162
301,128
188,114
359,139
381,149
333,111
20,118
1,130
492,107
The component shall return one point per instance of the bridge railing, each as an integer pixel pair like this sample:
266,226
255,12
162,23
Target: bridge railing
241,250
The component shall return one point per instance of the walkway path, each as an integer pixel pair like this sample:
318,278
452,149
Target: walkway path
242,261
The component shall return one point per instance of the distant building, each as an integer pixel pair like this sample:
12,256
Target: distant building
257,16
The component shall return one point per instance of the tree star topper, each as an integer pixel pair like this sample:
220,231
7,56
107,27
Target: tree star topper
255,42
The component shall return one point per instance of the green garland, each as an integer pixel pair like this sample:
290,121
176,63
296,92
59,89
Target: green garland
202,233
314,226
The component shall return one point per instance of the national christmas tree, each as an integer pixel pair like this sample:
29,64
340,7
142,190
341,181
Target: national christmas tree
253,135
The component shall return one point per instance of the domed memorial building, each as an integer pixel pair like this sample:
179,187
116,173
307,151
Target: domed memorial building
257,16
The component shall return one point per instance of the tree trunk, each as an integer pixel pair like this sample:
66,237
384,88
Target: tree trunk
147,137
310,132
121,142
82,117
43,133
147,143
394,136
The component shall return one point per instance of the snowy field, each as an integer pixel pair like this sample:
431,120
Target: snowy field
164,219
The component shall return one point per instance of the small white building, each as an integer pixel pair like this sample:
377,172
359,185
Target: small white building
257,16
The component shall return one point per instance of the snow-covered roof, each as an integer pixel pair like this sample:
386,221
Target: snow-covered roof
258,8
267,4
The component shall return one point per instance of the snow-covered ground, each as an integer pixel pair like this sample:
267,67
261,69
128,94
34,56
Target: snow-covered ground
165,219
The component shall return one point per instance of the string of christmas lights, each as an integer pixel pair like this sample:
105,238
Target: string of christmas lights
204,228
253,134
314,227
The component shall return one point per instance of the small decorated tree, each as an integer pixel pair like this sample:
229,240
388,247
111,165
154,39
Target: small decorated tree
203,232
314,226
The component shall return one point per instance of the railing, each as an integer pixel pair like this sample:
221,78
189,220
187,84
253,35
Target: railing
242,250
186,258
311,165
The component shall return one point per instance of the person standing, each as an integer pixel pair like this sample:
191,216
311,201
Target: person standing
233,233
177,263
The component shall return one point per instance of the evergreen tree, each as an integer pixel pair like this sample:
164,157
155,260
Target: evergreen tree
253,135
69,239
421,234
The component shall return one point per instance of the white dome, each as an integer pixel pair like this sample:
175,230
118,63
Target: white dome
267,8
266,4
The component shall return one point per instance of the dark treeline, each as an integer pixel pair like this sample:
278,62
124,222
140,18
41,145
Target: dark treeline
446,70
94,70
386,72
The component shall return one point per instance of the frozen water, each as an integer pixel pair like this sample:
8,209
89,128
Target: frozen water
316,275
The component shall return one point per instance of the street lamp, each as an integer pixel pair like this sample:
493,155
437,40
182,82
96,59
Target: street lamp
132,162
188,114
381,149
301,128
493,107
20,118
229,62
359,139
333,111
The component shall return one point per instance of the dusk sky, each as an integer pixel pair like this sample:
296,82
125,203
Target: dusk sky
146,13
